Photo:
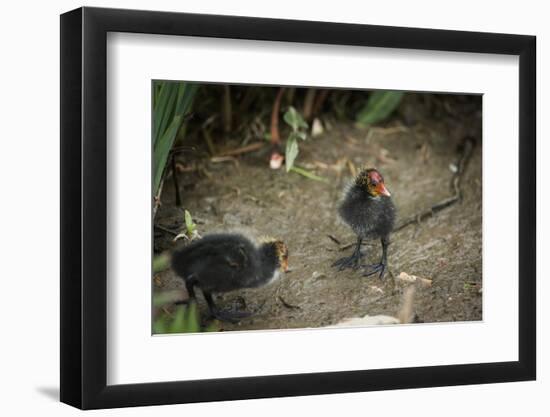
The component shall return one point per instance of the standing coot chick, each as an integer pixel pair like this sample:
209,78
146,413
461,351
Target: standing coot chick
224,262
369,210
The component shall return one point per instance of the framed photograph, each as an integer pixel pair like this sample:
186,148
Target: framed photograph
257,208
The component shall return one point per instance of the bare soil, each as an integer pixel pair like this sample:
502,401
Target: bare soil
417,160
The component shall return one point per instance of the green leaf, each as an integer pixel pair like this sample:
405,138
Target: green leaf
213,326
291,152
192,320
189,225
380,105
308,174
186,95
161,262
162,150
294,119
186,319
159,326
300,135
165,108
163,298
172,103
178,324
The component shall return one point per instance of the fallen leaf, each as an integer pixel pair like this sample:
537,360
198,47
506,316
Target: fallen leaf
158,281
276,160
376,289
317,128
403,276
367,321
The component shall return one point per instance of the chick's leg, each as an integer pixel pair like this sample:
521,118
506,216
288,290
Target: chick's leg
352,261
381,266
223,315
190,287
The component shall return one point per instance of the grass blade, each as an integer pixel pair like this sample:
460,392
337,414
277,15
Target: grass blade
380,105
291,152
308,174
173,102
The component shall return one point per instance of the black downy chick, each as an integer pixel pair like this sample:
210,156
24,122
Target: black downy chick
219,263
369,210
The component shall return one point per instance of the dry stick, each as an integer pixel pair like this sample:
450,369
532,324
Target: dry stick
186,117
181,149
157,197
175,181
467,148
249,96
308,104
275,138
227,112
209,141
320,100
290,95
405,313
334,239
165,229
245,149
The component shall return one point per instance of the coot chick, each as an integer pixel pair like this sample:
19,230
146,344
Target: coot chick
369,210
219,263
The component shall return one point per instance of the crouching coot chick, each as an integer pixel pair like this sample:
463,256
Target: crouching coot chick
220,263
369,210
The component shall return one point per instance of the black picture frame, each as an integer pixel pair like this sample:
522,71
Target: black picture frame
84,207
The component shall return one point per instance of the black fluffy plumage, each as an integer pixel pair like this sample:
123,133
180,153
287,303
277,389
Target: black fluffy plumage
224,262
368,209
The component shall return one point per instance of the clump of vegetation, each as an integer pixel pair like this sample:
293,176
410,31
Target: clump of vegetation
191,231
161,262
185,318
249,113
299,128
380,105
172,103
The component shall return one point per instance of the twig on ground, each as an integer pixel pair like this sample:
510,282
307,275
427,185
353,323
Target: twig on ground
209,142
309,101
334,239
245,149
347,246
226,109
156,198
218,159
165,229
276,159
406,312
467,147
175,181
275,137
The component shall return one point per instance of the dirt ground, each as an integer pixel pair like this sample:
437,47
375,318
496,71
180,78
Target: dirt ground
415,152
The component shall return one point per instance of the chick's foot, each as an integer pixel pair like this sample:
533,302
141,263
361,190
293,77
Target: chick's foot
375,268
352,262
230,316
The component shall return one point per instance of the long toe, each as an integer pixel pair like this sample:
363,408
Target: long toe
375,268
347,262
231,316
338,262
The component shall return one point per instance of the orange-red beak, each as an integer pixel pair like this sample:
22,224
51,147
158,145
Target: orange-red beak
284,264
381,189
